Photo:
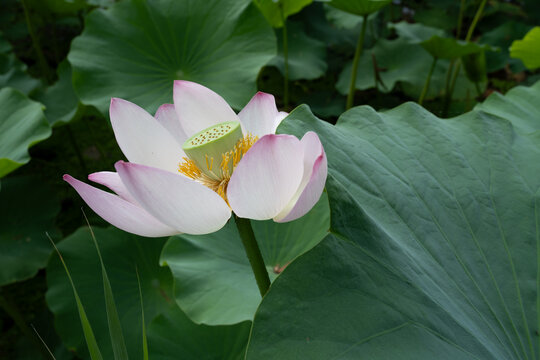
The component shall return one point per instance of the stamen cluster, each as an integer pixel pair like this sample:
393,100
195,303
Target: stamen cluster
223,173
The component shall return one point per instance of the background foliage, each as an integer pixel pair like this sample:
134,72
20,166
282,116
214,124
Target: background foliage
424,245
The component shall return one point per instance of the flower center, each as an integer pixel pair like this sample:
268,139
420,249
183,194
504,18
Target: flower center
212,155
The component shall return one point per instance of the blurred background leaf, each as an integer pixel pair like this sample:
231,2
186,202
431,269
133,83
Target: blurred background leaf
24,248
528,49
307,56
22,124
134,50
275,11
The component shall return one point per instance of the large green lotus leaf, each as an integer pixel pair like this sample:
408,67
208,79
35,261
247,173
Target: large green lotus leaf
214,283
22,124
61,102
172,334
123,254
519,105
433,245
276,10
12,71
528,49
359,7
450,48
135,49
306,55
406,64
27,211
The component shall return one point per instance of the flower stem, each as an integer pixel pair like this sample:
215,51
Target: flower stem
253,253
358,52
426,85
460,19
475,20
458,66
285,62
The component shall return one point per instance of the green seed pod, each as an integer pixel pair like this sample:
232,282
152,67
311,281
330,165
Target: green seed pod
206,148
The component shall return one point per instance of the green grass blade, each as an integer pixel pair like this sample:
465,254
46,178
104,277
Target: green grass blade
43,342
91,342
115,327
145,342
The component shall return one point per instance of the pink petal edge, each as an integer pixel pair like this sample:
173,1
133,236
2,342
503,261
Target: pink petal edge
260,116
174,199
119,212
267,177
312,186
142,138
112,181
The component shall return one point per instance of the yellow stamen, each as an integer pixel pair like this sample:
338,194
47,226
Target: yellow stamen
209,165
188,168
229,160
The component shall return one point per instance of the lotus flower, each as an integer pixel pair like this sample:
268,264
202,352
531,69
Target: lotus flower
197,160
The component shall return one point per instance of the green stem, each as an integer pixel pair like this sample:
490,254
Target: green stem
458,67
35,43
460,19
253,253
478,90
358,52
426,85
449,76
475,20
13,311
450,90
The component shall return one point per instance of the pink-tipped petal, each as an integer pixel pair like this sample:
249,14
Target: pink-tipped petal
142,138
260,116
199,107
112,181
312,185
175,200
119,212
166,115
267,177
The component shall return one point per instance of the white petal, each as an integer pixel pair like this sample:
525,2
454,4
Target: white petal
199,107
142,138
267,177
260,116
175,200
312,185
119,212
112,181
166,115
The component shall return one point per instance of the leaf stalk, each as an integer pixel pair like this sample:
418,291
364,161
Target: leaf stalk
253,253
357,53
